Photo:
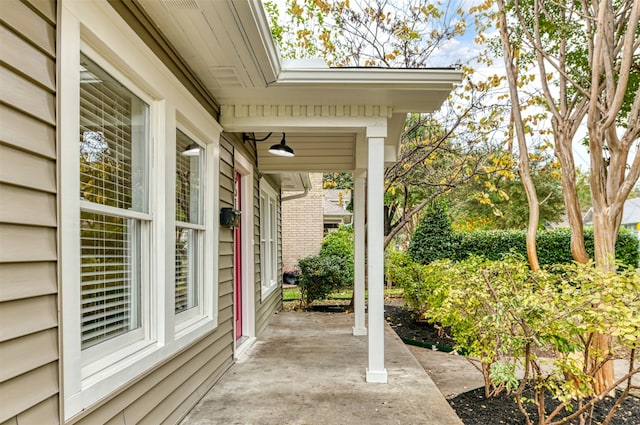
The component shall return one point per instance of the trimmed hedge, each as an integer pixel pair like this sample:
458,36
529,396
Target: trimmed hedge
553,246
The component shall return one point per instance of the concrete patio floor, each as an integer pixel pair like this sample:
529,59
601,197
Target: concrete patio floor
308,368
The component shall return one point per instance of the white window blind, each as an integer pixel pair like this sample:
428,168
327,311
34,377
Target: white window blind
190,219
114,204
268,238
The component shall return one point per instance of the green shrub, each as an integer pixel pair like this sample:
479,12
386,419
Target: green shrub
340,244
434,238
505,314
403,272
395,263
553,246
319,275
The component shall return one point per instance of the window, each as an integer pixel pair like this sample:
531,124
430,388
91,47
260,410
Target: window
138,240
189,224
268,238
114,219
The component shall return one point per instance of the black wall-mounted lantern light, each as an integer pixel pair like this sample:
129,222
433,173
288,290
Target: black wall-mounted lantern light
229,217
279,149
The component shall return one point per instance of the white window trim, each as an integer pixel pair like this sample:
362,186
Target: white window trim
99,32
187,321
268,277
245,168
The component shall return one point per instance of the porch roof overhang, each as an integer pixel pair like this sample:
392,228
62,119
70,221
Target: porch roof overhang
324,111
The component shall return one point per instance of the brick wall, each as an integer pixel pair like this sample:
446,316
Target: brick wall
302,228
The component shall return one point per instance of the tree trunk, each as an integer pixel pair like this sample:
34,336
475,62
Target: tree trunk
604,240
523,166
564,153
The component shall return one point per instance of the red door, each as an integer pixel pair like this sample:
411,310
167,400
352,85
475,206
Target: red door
237,242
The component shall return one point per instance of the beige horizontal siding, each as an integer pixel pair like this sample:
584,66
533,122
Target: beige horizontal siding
27,206
27,133
29,24
27,97
226,262
120,403
27,390
225,275
164,398
25,280
43,413
45,8
27,60
23,169
267,307
195,396
26,316
20,355
26,244
226,170
29,337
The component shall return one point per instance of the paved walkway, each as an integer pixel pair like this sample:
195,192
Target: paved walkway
309,369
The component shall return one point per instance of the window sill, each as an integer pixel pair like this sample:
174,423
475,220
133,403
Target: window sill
266,291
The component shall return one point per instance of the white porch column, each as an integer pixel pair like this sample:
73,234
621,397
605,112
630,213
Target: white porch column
359,327
376,371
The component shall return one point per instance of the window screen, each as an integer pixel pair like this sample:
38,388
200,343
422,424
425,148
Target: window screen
113,188
189,216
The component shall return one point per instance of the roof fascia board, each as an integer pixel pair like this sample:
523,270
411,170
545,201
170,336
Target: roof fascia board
254,25
433,79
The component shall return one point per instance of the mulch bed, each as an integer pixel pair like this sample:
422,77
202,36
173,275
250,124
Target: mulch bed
472,407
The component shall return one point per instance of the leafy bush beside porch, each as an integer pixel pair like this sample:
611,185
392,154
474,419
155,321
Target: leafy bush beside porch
506,315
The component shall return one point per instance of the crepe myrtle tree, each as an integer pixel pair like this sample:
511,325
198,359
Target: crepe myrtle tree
586,56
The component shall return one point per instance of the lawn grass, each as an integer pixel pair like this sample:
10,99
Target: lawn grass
293,294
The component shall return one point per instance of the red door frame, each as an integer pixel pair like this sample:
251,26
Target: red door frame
237,242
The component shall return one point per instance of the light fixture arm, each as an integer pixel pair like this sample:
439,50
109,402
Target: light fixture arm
279,149
246,137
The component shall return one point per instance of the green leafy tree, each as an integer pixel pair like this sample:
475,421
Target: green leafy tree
499,202
438,151
586,56
434,238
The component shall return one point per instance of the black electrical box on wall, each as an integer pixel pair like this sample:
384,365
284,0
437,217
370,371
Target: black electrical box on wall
229,217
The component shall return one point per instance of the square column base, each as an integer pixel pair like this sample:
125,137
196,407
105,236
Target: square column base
377,376
359,331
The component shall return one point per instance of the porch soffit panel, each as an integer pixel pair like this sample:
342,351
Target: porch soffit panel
315,152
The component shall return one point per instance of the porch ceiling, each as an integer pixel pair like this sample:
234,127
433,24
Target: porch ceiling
315,152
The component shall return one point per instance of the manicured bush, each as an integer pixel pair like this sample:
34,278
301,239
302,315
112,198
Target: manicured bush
340,244
319,275
553,246
434,238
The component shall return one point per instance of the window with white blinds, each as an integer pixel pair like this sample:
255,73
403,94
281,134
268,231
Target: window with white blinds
268,238
114,217
189,223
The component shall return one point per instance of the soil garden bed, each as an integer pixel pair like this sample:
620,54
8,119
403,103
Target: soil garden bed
472,407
